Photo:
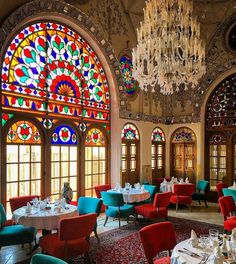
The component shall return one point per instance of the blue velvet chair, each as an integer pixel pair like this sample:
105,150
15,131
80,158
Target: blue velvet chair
229,192
115,206
200,194
89,205
46,259
152,189
15,234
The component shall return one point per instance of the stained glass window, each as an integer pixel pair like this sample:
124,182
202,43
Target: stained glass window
130,132
5,118
23,132
126,67
50,68
158,135
183,135
95,137
64,135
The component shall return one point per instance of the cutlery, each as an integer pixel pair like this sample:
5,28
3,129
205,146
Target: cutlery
192,252
187,253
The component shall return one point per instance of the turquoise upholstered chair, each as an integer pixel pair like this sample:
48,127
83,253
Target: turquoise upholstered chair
89,205
15,234
200,194
152,189
229,192
45,259
115,206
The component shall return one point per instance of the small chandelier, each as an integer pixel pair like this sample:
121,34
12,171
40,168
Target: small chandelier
169,52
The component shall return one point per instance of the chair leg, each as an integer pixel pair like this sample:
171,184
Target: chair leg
176,208
206,203
106,220
96,235
127,219
199,202
190,207
30,249
119,221
218,210
22,246
88,259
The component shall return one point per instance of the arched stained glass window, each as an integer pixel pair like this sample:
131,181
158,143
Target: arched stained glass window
50,68
130,132
158,153
64,135
183,135
95,160
126,67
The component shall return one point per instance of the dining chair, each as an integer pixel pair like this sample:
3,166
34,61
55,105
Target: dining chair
157,209
182,194
17,202
201,190
15,234
219,187
152,189
228,207
157,238
45,259
102,188
229,192
72,239
89,205
115,206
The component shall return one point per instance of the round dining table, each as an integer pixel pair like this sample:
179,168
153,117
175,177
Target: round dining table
133,195
47,219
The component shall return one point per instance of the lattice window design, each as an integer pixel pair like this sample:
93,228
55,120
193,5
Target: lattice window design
158,135
217,139
95,137
183,135
50,68
221,105
64,135
130,132
126,67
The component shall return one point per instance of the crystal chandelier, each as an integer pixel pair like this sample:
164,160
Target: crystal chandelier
169,52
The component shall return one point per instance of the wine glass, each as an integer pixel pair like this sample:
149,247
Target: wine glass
204,240
214,234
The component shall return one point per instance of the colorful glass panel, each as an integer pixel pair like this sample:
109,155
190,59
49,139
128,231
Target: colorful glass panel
183,135
126,67
95,137
158,135
130,132
23,132
64,135
217,139
50,68
5,118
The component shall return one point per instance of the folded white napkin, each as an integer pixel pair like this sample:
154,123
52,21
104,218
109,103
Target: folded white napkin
181,180
217,257
137,185
28,208
165,181
117,187
143,189
187,180
234,185
193,239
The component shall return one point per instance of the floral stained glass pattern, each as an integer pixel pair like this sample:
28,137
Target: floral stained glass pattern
158,135
95,137
50,68
183,135
126,67
5,118
64,135
130,132
23,132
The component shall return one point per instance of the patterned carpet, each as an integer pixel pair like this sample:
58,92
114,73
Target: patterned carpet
123,246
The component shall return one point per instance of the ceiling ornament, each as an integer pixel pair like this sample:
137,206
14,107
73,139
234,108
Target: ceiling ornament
170,53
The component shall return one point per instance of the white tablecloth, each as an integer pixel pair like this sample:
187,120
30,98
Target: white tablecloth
166,187
134,195
43,219
232,188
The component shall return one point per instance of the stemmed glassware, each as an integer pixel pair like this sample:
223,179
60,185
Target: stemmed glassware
204,240
214,235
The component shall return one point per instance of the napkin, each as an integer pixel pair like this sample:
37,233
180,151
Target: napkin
187,180
143,189
217,257
233,236
28,208
172,179
234,185
181,180
137,185
193,239
117,187
165,181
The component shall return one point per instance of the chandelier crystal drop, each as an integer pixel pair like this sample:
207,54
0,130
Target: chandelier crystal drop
169,52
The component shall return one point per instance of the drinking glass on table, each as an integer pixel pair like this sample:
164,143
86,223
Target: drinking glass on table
204,240
214,235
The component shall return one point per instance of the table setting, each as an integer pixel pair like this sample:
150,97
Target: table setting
213,248
166,186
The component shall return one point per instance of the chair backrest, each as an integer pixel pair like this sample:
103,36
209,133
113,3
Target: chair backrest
17,202
45,259
227,205
229,192
152,189
162,199
186,189
76,227
202,185
89,205
112,199
219,187
101,188
3,217
156,238
158,181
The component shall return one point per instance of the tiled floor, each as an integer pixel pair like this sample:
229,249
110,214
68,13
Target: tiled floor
15,254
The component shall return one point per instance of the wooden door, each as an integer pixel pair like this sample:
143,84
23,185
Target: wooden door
158,160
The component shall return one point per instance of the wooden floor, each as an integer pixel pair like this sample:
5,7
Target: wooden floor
15,254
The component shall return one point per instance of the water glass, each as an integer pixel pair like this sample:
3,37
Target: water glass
204,240
214,234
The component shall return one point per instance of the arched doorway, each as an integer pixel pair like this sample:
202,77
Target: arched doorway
183,154
130,155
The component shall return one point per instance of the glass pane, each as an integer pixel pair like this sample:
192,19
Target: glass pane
35,153
153,149
95,153
189,150
88,182
95,167
124,149
222,162
160,150
124,165
35,187
12,172
102,179
73,168
102,153
73,153
213,162
159,163
213,173
64,153
88,168
189,163
55,169
88,193
153,164
64,169
35,170
88,153
55,186
133,149
133,164
55,153
213,150
73,183
102,168
24,153
24,171
12,189
222,150
95,180
24,188
12,153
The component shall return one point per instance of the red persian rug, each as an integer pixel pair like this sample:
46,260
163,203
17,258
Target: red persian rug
123,246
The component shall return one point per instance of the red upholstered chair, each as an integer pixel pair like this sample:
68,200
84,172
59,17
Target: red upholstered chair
156,238
227,207
219,187
182,194
102,188
72,238
157,209
17,202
